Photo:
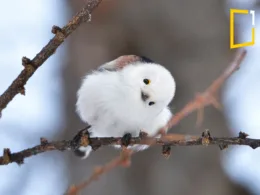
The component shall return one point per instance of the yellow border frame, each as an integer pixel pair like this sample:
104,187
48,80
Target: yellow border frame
232,24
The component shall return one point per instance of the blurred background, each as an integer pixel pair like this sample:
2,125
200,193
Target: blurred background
190,38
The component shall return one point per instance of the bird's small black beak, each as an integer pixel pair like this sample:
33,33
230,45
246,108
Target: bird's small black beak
144,96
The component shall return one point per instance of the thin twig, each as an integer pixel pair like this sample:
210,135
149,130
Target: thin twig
30,66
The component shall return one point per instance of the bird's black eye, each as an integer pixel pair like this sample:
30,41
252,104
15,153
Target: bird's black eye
146,81
151,103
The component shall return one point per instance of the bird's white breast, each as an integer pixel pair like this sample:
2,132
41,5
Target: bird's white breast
105,103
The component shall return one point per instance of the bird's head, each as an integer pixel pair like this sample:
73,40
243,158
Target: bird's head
151,85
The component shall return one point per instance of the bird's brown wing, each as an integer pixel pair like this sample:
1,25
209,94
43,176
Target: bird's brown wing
123,61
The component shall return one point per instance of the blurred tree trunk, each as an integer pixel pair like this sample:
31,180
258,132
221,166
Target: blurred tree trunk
188,37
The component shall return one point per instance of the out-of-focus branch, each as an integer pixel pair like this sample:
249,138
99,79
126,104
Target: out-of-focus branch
122,160
30,66
209,96
168,139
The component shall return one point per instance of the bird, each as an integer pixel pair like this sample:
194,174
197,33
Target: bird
123,97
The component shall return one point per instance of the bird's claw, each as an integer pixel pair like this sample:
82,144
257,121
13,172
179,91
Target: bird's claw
82,136
125,140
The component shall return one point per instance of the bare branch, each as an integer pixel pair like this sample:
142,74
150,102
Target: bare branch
30,66
168,139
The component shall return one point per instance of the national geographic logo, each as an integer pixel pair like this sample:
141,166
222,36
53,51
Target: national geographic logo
232,35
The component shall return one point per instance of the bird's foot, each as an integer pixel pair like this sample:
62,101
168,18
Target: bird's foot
81,139
125,140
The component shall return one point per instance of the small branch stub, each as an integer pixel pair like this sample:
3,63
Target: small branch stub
6,156
44,141
22,90
242,135
56,29
26,61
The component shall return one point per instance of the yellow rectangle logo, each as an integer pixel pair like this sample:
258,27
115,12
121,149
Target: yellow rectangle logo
232,26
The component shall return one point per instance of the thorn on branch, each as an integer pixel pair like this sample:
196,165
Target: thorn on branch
206,138
242,135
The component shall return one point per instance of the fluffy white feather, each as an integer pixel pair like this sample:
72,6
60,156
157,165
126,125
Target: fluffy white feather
112,102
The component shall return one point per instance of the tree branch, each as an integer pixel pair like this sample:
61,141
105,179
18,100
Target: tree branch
168,139
30,66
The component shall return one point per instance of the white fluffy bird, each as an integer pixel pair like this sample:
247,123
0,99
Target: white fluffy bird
123,97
